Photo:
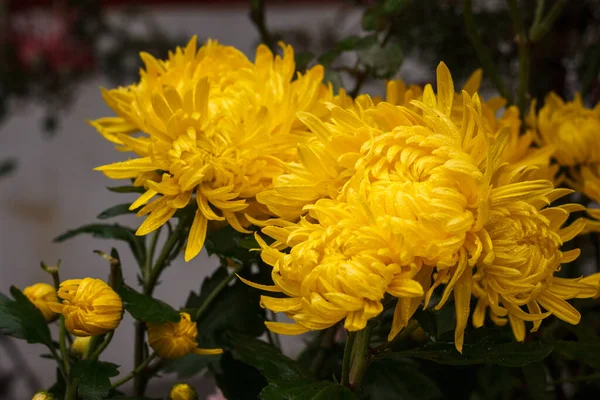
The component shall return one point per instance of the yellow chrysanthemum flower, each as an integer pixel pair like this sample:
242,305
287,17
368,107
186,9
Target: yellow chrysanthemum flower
458,208
176,339
218,126
182,391
570,128
40,295
338,268
43,395
89,305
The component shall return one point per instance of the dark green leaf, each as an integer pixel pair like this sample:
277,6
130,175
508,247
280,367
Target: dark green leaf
235,308
188,366
436,323
59,387
94,378
373,19
382,62
115,231
393,6
21,319
323,390
287,379
303,59
351,43
146,308
7,167
585,351
507,354
535,380
127,189
114,211
227,242
238,380
388,379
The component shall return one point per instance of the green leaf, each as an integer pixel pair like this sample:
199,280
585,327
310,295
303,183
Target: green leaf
146,308
436,323
7,167
351,43
21,319
303,59
94,378
59,387
238,380
106,231
323,390
388,379
227,242
393,6
535,380
188,366
127,189
382,62
506,354
287,379
235,308
115,211
587,351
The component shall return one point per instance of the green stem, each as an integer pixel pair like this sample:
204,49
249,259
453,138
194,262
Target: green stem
91,347
140,368
484,55
138,357
538,30
102,346
591,71
257,15
326,341
56,356
162,260
524,56
347,360
63,345
150,255
72,389
360,357
216,292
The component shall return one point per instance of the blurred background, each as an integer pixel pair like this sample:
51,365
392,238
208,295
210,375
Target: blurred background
57,54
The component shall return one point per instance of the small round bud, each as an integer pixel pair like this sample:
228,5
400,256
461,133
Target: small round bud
176,339
90,306
41,294
182,391
43,395
80,345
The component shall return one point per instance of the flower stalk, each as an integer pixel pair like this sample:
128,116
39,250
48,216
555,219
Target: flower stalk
360,357
524,56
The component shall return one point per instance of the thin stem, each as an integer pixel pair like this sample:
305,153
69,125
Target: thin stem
72,389
360,357
91,346
161,261
539,12
524,56
135,372
257,15
56,356
102,346
150,255
138,357
326,341
539,30
591,71
62,341
216,292
346,362
485,58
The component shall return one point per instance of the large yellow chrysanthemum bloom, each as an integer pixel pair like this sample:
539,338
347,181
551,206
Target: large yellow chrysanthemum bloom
338,268
176,339
89,305
458,207
216,126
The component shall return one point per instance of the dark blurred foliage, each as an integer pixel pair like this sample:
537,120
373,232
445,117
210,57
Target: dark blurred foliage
48,52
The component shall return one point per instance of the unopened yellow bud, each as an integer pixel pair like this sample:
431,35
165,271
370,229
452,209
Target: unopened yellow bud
182,391
43,395
90,306
176,339
40,295
80,345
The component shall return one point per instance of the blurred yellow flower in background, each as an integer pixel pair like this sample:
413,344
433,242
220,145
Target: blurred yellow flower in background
89,305
216,126
40,295
176,339
182,391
